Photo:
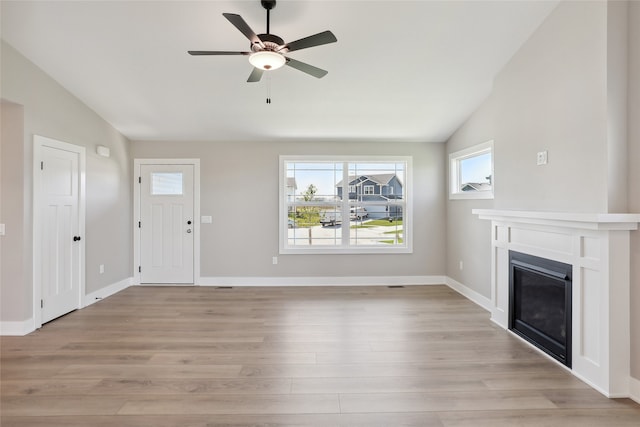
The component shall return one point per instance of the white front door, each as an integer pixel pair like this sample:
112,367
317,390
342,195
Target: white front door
59,240
167,225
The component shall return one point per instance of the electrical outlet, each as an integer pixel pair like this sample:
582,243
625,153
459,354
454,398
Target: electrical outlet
274,260
101,268
541,158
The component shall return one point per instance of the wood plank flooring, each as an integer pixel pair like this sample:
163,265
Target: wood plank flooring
332,356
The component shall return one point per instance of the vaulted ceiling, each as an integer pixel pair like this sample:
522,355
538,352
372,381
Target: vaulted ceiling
400,71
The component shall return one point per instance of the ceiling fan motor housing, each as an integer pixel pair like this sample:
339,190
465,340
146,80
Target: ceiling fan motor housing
268,4
271,43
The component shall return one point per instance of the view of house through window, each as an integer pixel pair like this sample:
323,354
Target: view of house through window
345,205
471,172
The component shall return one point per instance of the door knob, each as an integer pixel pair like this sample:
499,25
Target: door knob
189,222
76,238
188,230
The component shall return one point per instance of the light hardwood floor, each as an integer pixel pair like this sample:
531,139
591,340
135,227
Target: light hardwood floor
333,356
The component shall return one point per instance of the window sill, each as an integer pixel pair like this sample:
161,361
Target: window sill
344,251
485,195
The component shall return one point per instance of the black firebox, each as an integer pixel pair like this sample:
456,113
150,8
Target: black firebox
540,303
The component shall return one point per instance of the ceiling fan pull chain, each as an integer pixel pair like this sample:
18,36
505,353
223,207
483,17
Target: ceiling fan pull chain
268,89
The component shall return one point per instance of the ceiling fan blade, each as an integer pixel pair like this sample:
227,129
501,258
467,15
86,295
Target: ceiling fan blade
311,41
306,68
255,75
244,28
215,52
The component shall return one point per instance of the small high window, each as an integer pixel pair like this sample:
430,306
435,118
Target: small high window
471,172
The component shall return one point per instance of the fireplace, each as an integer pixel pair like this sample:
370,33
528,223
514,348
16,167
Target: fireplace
540,303
596,246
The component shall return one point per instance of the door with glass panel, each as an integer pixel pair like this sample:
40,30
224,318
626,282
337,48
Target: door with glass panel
167,224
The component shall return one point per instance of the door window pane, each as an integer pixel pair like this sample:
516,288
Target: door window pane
166,183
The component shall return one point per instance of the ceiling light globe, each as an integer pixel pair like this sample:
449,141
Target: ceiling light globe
267,60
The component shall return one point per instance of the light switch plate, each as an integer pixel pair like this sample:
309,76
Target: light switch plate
206,219
1,229
542,158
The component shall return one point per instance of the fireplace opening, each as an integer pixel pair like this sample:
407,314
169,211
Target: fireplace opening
540,303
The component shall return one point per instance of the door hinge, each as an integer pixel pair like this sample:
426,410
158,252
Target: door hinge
139,180
41,166
139,269
41,303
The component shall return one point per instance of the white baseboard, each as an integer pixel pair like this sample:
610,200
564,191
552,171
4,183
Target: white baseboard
105,292
16,327
469,293
323,281
634,389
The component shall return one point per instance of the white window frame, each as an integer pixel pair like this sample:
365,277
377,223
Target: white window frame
455,192
344,248
369,190
352,189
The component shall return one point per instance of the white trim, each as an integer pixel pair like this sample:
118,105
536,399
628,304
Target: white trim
323,281
586,221
454,172
634,389
137,163
38,143
107,291
16,327
469,293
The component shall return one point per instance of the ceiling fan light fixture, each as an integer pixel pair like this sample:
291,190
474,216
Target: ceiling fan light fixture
267,60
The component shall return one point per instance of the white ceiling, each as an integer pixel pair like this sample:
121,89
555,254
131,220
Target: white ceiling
400,71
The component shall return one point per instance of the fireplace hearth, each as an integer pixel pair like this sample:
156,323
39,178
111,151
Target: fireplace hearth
540,303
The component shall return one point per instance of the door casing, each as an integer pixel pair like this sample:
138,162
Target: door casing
137,173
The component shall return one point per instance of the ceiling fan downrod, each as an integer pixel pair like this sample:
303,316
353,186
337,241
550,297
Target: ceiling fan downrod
268,4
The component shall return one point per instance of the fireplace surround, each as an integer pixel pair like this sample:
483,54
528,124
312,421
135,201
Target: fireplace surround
597,248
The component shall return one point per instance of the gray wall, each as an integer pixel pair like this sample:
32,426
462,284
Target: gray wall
467,236
558,93
239,188
50,110
15,265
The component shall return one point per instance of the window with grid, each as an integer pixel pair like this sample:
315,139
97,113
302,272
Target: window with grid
334,208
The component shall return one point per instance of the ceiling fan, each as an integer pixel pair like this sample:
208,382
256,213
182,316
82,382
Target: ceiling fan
268,50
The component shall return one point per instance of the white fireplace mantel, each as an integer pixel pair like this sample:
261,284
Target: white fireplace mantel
597,247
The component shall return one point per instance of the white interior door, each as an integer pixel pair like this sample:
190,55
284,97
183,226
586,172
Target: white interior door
167,225
59,239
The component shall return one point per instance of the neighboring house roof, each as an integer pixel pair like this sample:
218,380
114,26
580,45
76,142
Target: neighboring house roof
291,182
380,179
476,186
